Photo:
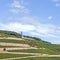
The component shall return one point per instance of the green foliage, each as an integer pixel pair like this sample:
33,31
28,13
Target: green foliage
35,43
41,58
5,55
32,41
42,51
11,41
4,33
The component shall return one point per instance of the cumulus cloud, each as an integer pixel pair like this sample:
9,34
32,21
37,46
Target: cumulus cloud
17,27
50,17
17,7
56,0
57,4
16,4
44,30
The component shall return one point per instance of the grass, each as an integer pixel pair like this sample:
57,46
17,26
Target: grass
5,55
43,51
11,41
31,42
35,43
41,58
49,48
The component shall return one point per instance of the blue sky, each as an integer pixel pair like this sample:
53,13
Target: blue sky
39,18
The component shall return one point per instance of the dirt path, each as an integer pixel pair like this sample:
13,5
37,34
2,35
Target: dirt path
18,58
13,44
35,54
20,48
20,53
11,38
24,46
1,49
31,57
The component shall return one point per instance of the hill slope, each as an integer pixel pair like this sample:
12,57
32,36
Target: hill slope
32,41
4,33
14,40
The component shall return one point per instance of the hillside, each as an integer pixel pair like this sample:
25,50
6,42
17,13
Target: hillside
32,41
4,33
15,44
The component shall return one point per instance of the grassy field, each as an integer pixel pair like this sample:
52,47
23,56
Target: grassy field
5,55
41,58
11,41
44,51
30,42
33,42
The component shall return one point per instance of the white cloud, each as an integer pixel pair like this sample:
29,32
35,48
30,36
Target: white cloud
17,27
16,4
44,30
57,4
47,30
33,26
29,20
50,17
14,11
56,0
17,7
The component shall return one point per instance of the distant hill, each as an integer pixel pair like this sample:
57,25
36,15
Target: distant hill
4,33
31,41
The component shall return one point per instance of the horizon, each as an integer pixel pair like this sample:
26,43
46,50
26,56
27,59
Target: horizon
36,18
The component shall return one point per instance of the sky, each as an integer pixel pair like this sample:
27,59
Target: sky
36,18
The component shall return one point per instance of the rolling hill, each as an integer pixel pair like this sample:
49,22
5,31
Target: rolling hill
4,33
15,44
